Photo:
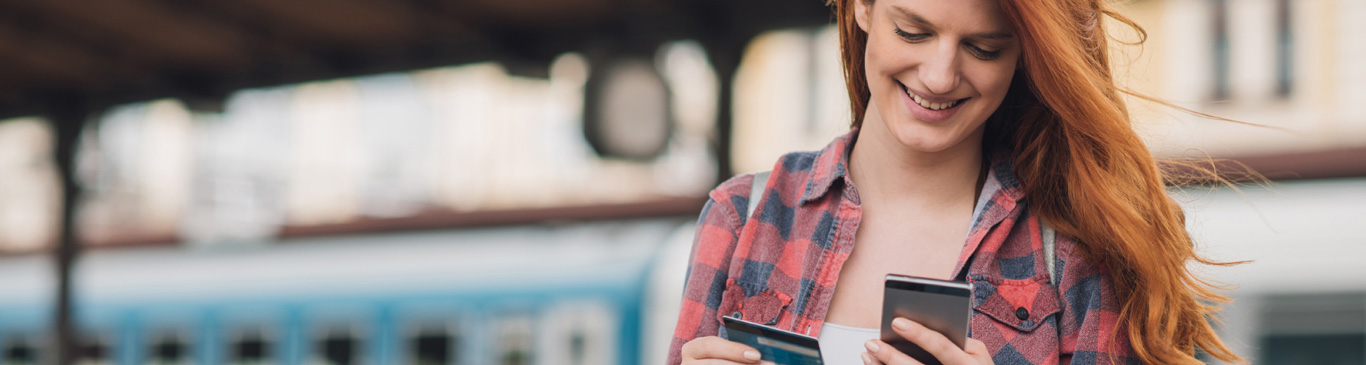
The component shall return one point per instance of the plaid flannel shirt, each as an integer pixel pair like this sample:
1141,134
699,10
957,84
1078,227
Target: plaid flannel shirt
781,269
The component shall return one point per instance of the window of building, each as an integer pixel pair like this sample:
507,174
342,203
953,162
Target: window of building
1220,48
30,193
1285,76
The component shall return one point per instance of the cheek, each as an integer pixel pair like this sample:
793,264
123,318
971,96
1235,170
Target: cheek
885,55
994,82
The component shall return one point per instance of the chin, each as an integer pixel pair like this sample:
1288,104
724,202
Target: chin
926,137
918,139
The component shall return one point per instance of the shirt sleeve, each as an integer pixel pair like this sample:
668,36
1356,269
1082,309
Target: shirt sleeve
1090,328
718,228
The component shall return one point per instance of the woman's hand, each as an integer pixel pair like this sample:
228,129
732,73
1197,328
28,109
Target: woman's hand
933,342
715,350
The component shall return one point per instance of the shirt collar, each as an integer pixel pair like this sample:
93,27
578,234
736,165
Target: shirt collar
831,165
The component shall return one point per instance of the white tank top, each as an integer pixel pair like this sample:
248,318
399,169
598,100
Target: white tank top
841,345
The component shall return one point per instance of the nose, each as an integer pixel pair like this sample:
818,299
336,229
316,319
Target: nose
940,72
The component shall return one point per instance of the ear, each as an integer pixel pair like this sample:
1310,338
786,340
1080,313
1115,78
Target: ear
863,13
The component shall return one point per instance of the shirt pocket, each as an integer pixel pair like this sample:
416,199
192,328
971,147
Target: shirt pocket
1022,306
752,303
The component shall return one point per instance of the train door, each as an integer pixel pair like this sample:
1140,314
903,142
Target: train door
513,339
580,333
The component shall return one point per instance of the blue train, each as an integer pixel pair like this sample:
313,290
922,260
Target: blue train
583,293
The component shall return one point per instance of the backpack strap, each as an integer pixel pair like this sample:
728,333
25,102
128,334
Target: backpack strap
756,191
1050,251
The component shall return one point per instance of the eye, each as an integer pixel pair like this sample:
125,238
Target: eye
911,37
983,54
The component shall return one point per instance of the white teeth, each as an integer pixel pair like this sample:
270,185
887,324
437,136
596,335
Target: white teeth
929,105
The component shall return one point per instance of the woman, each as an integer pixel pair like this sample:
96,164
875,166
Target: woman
981,119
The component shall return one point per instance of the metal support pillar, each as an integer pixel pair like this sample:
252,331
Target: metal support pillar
725,60
67,117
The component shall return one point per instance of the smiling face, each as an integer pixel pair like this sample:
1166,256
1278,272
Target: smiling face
936,69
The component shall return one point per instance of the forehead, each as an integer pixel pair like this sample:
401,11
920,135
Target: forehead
945,15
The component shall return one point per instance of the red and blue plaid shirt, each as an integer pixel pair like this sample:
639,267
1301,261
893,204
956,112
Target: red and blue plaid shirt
781,268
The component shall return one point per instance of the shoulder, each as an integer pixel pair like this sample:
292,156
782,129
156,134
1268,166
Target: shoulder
792,170
732,195
1072,259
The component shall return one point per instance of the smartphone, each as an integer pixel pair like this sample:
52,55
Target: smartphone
776,345
942,306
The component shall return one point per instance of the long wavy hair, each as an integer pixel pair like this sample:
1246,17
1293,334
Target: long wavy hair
1087,172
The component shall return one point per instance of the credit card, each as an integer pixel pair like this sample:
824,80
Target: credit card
776,345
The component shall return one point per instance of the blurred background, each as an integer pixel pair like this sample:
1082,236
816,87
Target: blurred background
516,182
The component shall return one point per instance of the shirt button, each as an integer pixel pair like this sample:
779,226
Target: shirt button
737,315
1022,313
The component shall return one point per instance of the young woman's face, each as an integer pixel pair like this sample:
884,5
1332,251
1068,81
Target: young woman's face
936,69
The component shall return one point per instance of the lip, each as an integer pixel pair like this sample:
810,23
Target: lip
925,114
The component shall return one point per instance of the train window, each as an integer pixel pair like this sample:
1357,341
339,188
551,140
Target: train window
515,340
168,350
94,351
250,348
434,345
1314,329
20,352
339,347
1314,349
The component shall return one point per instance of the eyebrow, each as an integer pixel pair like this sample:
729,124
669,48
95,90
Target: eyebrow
916,18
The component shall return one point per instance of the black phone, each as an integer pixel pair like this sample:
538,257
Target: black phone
942,306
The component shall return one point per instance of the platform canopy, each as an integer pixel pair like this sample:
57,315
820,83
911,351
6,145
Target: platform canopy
111,52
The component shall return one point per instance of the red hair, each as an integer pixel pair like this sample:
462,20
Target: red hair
1087,173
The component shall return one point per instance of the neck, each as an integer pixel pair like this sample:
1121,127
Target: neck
886,170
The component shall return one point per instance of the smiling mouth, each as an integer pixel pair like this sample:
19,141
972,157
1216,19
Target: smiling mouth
930,105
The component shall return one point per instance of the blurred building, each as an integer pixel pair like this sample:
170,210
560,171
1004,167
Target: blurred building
453,215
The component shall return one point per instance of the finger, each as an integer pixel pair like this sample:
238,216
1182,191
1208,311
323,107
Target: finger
933,342
687,361
713,362
713,347
868,359
886,354
978,351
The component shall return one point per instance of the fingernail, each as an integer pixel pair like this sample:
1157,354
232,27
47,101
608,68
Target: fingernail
752,355
867,360
872,346
901,324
